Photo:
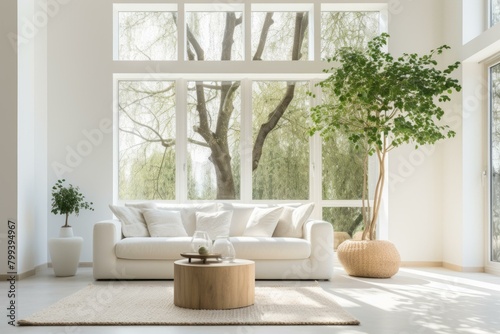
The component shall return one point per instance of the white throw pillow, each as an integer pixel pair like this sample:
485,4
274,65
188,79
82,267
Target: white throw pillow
163,223
262,222
291,221
216,224
188,213
241,215
132,220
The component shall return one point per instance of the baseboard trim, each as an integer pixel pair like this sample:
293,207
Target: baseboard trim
86,264
38,269
18,277
421,264
458,268
80,265
492,270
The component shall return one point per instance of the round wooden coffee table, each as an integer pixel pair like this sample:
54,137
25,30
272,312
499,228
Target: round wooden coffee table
214,285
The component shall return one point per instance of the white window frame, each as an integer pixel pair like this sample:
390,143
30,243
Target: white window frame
182,70
490,266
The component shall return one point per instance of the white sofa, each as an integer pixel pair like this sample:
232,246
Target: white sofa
307,257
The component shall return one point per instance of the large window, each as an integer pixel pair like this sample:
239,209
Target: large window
220,110
495,163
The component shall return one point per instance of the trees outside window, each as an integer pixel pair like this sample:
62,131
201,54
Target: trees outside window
282,171
147,135
146,33
213,139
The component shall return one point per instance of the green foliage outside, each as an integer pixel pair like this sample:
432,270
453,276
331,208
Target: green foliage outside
283,172
68,200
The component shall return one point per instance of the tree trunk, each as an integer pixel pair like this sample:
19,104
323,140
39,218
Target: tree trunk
224,173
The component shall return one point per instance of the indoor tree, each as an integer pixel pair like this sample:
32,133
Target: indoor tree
380,102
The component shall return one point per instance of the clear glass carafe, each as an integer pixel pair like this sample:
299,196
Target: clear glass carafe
224,247
201,239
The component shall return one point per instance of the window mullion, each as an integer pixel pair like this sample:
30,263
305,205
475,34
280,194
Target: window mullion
246,142
247,40
316,174
315,40
181,32
181,141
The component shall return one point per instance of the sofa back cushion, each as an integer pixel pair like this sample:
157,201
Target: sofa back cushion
132,221
188,213
164,223
262,222
214,223
292,219
241,214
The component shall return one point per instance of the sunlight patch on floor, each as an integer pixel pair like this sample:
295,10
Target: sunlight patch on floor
378,298
454,279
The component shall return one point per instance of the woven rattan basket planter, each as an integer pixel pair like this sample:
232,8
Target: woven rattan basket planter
369,258
339,237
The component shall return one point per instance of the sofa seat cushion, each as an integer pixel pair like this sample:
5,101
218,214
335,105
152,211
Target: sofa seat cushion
267,248
161,248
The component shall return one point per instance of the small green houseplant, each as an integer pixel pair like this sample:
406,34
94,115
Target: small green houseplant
68,200
379,103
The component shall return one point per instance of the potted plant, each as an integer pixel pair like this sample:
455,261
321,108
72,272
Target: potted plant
379,103
65,250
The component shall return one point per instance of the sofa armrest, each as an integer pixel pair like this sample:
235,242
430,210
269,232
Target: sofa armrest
315,228
320,234
108,229
105,236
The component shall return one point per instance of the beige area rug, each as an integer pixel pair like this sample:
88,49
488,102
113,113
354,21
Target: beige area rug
119,303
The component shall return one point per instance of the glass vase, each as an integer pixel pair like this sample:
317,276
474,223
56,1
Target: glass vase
201,239
224,247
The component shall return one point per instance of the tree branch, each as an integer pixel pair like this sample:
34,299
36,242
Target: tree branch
274,117
164,142
267,127
200,53
268,21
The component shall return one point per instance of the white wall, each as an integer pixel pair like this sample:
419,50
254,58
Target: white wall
40,136
23,144
26,141
475,18
80,94
32,133
452,197
415,184
8,123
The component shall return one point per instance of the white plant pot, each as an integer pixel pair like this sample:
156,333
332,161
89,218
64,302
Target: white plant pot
65,252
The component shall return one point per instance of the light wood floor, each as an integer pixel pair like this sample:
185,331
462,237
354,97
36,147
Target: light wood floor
416,300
